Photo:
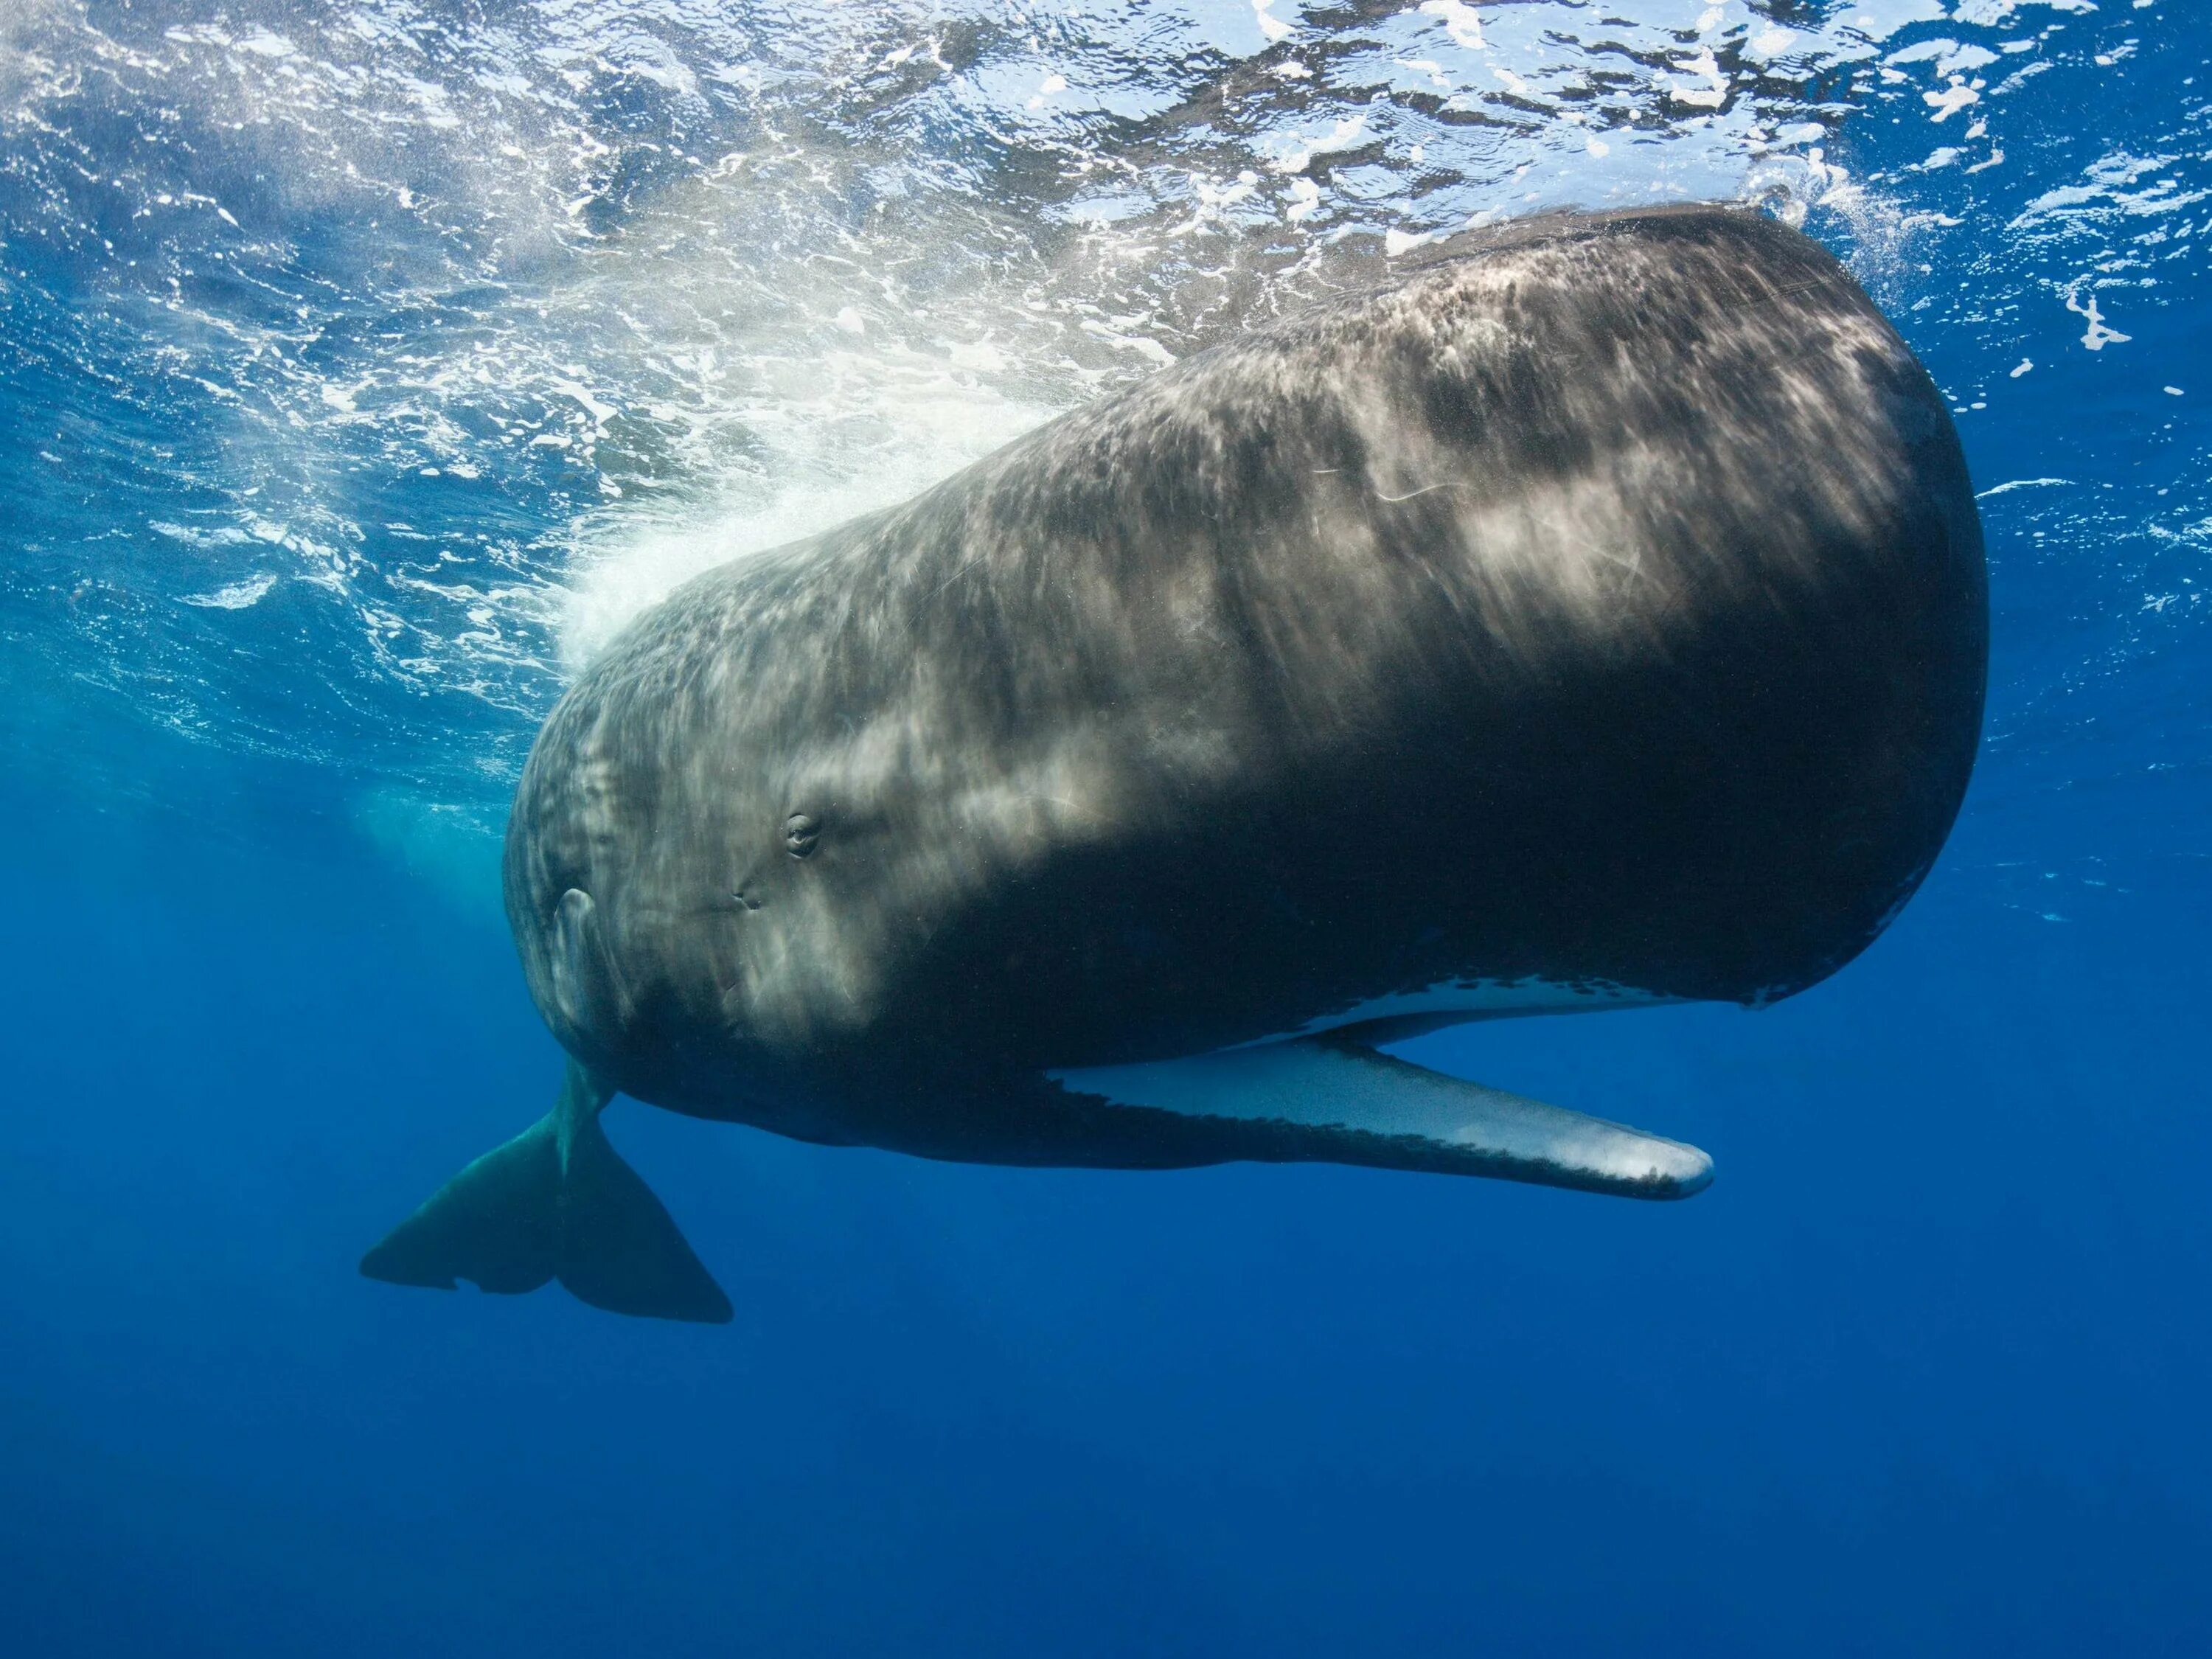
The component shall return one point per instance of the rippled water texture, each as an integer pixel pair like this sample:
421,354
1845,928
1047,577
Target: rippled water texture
368,364
365,364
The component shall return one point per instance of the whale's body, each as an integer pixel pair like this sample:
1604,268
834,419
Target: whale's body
1594,616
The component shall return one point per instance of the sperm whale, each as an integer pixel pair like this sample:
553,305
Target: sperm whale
1591,616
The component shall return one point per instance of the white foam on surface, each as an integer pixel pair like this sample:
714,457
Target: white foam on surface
236,596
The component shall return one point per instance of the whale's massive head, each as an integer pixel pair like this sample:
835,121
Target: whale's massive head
1594,614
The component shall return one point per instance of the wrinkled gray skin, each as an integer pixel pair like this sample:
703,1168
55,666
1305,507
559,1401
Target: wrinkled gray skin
1600,604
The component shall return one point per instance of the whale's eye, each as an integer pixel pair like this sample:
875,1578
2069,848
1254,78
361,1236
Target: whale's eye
800,834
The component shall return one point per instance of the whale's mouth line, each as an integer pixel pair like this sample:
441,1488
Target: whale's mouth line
1398,1015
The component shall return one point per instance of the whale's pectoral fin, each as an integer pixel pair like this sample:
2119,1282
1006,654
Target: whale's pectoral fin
555,1202
1333,1099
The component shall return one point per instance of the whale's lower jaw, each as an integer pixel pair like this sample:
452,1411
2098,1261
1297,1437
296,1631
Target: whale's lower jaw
1332,1099
1320,1093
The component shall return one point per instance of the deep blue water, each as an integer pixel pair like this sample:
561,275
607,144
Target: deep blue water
332,436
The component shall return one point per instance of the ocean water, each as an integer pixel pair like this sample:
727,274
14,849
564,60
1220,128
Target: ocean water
364,366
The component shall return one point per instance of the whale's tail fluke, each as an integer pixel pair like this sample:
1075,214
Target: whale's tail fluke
555,1202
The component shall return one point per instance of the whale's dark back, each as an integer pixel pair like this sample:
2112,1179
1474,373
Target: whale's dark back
1602,602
